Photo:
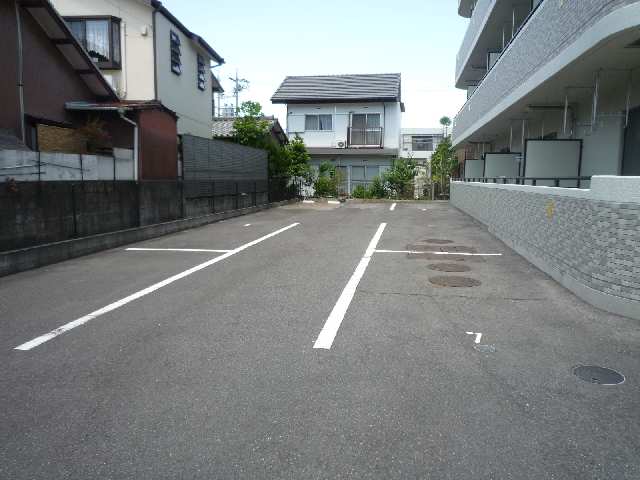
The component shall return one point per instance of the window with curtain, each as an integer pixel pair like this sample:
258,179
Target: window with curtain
318,122
100,37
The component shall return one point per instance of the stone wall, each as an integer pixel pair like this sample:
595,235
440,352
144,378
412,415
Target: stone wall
588,240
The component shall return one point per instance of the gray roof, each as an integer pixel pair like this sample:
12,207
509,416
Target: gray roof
339,88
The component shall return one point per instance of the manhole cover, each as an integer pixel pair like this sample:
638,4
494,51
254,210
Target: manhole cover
451,281
598,375
437,241
433,257
449,267
485,348
458,249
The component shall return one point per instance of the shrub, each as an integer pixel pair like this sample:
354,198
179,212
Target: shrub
376,189
360,191
325,187
329,180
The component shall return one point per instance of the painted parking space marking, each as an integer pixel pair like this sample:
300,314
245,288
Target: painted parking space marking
478,336
175,250
146,291
332,325
442,253
392,207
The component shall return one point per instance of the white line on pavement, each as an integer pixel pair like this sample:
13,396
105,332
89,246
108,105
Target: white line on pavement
175,250
392,207
141,293
443,253
331,326
247,225
478,336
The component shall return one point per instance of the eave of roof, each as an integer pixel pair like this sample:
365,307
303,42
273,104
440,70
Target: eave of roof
125,105
385,87
59,33
157,5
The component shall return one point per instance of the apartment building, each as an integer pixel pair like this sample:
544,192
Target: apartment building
352,121
554,83
146,53
550,138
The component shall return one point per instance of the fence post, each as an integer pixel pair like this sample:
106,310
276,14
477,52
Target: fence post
213,196
73,210
557,182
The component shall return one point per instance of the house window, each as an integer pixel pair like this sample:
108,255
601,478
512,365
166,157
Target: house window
365,129
422,143
176,61
318,122
100,37
202,82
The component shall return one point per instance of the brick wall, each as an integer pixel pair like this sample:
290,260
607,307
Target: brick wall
589,245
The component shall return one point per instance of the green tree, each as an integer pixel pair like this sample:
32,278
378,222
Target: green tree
297,159
445,122
443,163
251,128
398,179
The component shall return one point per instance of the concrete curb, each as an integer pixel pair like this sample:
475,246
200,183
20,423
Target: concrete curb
14,261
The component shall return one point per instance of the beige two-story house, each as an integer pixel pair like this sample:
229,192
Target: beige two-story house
146,53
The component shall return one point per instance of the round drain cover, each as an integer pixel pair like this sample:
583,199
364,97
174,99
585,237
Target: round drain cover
451,281
438,241
598,375
449,267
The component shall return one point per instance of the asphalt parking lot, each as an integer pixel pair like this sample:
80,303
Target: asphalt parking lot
313,341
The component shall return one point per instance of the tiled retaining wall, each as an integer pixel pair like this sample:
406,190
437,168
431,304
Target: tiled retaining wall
589,244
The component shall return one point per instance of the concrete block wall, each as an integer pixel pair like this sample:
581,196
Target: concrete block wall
588,240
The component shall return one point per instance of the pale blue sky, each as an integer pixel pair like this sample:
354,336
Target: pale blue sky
268,40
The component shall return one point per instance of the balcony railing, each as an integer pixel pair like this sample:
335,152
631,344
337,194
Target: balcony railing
365,137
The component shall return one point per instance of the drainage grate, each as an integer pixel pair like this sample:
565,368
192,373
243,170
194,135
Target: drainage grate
598,375
437,241
449,267
451,281
485,348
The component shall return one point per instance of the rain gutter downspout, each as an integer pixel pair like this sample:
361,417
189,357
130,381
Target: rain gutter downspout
135,142
20,72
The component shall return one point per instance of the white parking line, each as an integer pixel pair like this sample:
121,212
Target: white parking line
443,253
247,225
392,207
174,250
331,326
141,293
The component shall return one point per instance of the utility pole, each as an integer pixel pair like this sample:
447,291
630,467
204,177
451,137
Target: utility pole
239,84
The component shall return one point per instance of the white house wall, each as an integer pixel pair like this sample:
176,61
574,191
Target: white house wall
135,80
180,93
390,116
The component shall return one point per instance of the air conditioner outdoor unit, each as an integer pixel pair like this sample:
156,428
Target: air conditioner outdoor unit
342,144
